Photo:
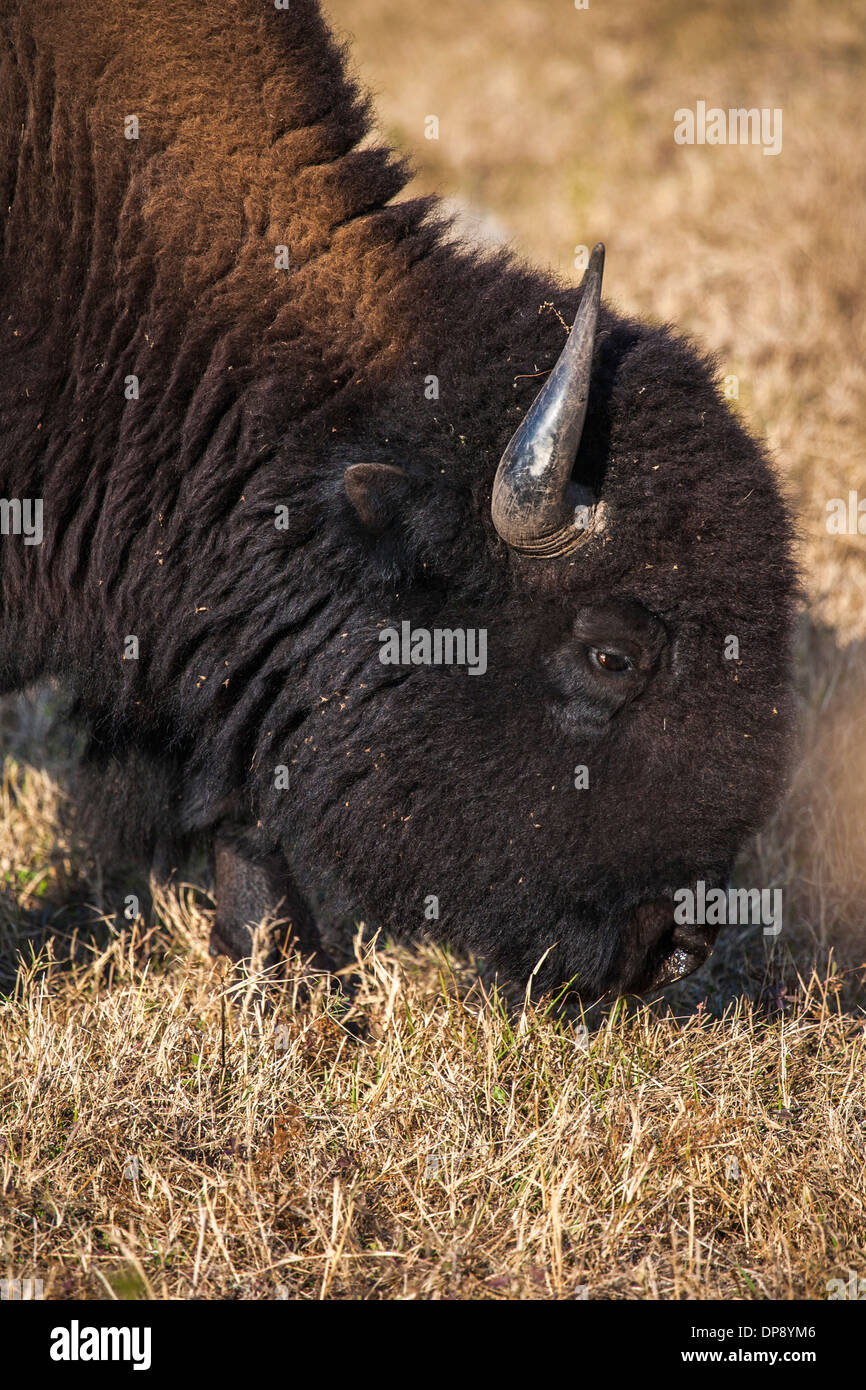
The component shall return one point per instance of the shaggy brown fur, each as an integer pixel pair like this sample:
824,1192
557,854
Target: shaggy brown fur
154,259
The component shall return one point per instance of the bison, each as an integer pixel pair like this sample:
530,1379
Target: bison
278,432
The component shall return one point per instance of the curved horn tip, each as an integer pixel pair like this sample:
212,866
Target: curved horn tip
531,505
595,264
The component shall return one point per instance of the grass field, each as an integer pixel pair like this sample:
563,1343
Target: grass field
167,1130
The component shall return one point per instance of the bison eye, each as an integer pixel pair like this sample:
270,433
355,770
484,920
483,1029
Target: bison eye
612,662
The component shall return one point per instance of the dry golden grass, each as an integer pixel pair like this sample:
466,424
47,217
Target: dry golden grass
167,1130
455,1149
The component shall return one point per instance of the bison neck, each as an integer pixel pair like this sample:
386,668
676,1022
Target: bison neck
207,294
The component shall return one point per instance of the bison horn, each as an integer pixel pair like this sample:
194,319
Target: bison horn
536,508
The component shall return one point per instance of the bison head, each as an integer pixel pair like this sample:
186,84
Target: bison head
629,565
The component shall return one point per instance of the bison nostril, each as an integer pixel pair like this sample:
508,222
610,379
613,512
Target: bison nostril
695,941
662,950
677,965
684,952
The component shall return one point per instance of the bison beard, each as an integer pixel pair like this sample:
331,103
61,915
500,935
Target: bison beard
173,393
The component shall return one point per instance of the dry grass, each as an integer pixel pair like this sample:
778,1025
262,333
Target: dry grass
169,1131
456,1149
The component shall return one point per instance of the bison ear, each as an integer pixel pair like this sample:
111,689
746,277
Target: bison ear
376,491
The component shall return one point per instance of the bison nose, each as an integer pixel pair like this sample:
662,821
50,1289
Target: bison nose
685,951
659,950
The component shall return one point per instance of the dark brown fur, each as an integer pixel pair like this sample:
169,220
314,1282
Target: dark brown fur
258,648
